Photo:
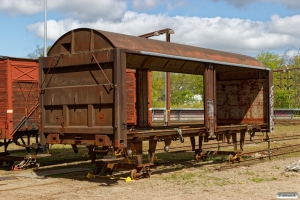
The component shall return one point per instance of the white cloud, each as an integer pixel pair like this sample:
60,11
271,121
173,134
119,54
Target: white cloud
145,4
287,25
150,4
55,29
91,10
87,10
292,4
234,35
27,7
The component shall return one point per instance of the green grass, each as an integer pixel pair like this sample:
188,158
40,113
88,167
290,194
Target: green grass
250,173
257,179
200,176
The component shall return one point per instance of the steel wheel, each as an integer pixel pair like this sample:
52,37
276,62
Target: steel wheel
133,174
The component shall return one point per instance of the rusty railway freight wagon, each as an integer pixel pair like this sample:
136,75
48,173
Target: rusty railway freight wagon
19,101
84,94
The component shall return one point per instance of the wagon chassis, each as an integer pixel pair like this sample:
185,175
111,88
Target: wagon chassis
168,134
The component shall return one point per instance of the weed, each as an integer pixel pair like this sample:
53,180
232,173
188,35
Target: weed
257,179
187,176
250,173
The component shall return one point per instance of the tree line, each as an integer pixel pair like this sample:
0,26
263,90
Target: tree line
286,77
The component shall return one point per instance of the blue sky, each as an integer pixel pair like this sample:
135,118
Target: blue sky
241,26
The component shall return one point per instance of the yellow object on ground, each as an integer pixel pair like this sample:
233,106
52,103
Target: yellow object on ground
89,175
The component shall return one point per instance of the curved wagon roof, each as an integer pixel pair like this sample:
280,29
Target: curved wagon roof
153,54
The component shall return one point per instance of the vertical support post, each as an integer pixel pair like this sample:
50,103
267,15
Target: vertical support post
268,140
151,151
120,99
200,139
271,102
168,91
210,120
9,109
149,78
288,85
43,139
167,142
168,99
193,142
280,73
242,140
138,145
234,139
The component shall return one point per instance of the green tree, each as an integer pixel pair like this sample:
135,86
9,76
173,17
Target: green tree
292,80
282,99
285,78
158,87
270,60
184,87
38,52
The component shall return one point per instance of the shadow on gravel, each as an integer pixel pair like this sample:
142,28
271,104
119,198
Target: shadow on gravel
80,169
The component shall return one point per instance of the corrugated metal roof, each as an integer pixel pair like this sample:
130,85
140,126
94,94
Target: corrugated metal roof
168,48
145,51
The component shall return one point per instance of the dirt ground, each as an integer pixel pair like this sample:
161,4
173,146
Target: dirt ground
191,180
183,179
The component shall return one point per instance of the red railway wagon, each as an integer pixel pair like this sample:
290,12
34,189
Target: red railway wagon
19,100
84,98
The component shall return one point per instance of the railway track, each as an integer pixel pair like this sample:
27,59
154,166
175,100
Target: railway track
214,145
261,155
248,157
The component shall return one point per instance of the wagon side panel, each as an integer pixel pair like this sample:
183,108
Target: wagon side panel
242,97
3,97
25,89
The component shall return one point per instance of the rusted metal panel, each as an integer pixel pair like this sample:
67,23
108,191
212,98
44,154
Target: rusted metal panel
25,96
83,98
142,44
64,60
19,93
3,97
53,139
76,98
242,98
102,140
142,98
79,40
131,97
